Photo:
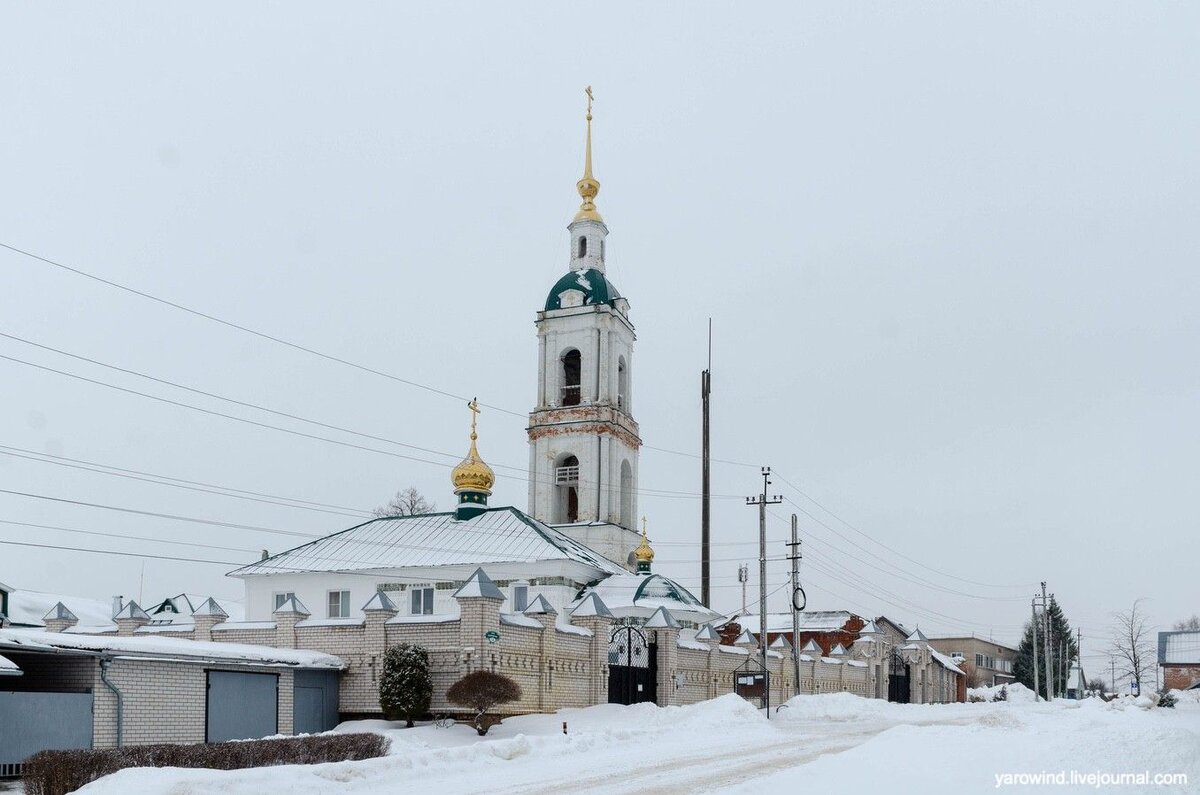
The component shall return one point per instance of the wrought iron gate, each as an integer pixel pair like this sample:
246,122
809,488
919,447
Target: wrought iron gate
898,678
632,667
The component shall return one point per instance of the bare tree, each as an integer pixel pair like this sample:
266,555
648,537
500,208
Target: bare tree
408,502
1133,644
1188,624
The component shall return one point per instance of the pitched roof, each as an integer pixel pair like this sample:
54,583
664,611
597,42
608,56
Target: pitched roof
708,632
479,586
781,642
292,605
812,646
745,637
380,601
59,612
131,610
662,619
592,605
917,636
497,535
540,606
210,608
643,594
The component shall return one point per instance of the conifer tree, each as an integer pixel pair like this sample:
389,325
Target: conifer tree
1063,649
405,686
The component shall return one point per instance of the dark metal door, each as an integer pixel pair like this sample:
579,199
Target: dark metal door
315,703
241,706
898,679
632,667
32,722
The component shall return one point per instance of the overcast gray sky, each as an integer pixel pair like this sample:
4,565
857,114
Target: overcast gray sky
950,253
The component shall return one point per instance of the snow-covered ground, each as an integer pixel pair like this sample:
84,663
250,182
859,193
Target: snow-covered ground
829,743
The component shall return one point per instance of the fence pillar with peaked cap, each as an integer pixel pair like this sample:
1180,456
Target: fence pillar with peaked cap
59,618
547,616
593,615
130,618
709,636
376,612
666,640
205,617
479,603
287,615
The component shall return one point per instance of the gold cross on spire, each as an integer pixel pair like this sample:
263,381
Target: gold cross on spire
589,186
588,91
643,527
473,405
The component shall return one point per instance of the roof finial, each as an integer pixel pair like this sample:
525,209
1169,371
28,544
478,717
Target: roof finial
589,186
472,474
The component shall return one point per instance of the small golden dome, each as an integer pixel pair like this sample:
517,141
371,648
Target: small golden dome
643,553
472,474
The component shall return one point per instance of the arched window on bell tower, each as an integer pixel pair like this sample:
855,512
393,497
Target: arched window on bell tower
566,488
582,247
572,370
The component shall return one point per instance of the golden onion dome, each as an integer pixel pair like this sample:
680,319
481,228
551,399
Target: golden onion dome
472,474
644,553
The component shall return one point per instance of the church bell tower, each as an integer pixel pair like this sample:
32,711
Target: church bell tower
583,440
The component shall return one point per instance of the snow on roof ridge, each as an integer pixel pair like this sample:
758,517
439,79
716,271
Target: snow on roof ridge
291,605
479,586
60,612
592,605
917,636
781,642
380,601
210,608
745,638
707,632
540,607
662,619
159,646
131,610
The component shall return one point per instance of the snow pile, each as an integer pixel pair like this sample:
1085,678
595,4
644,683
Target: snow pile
1015,692
834,707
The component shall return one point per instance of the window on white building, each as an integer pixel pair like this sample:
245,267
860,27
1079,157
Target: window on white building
281,597
421,600
339,604
520,596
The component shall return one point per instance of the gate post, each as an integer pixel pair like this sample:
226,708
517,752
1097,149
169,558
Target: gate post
479,603
592,614
286,617
665,631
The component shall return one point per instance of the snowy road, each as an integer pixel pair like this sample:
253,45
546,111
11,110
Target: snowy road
726,746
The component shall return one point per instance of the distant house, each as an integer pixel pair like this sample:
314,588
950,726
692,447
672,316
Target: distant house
28,609
826,628
1179,659
993,662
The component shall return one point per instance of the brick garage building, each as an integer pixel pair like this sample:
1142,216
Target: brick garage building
67,690
1179,659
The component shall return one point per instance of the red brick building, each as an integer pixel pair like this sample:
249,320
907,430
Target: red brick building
1179,659
826,628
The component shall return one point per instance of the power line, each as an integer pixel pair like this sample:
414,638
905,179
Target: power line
248,330
652,493
797,489
125,536
4,450
121,554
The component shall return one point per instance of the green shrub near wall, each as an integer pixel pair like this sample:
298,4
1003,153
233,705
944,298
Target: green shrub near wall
60,772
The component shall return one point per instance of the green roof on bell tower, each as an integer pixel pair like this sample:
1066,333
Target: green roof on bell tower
594,285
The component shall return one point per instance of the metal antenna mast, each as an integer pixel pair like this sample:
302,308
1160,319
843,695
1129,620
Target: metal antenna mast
762,501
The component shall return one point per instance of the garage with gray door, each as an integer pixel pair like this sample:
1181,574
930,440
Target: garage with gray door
241,706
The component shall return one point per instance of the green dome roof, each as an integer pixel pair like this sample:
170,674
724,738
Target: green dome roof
595,287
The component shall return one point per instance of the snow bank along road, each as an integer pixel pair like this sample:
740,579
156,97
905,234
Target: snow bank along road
816,743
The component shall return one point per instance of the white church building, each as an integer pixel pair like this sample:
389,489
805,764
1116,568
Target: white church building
580,529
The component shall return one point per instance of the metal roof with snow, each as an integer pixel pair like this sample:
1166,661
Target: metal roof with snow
497,535
641,595
159,647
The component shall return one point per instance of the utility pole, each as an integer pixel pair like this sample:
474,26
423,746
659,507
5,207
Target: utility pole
1036,684
705,495
799,602
743,578
762,501
1046,627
